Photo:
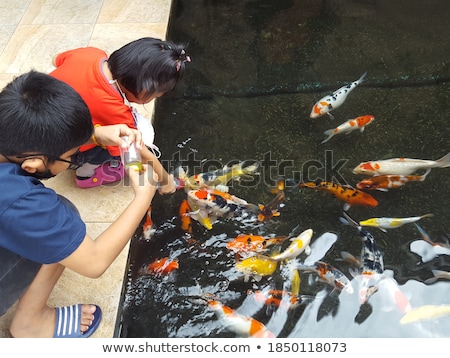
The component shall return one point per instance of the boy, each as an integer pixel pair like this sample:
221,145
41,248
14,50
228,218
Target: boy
43,122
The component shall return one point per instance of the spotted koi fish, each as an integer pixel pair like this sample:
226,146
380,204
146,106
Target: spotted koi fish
372,265
254,243
332,101
328,274
148,229
351,196
389,181
400,166
349,126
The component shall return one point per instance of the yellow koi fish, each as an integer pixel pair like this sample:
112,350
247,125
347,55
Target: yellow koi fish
257,266
426,312
391,223
216,179
298,245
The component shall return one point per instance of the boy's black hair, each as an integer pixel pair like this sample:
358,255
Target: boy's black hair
148,64
40,114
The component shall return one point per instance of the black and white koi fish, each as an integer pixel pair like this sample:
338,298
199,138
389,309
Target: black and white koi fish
332,101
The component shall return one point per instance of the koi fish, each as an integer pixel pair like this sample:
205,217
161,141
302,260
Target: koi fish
270,210
426,312
349,126
389,181
391,223
216,179
332,101
208,205
162,266
279,298
346,193
243,326
298,245
256,266
428,249
372,265
254,243
400,166
438,275
186,222
328,274
148,229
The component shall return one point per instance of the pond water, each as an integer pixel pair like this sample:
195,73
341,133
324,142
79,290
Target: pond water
257,69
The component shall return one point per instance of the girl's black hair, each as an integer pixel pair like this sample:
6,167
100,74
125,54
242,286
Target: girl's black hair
148,64
40,114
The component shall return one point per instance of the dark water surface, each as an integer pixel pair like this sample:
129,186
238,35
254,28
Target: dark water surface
257,69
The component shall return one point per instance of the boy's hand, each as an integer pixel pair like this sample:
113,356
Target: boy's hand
144,182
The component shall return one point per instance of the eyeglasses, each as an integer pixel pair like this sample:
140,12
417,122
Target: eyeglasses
76,159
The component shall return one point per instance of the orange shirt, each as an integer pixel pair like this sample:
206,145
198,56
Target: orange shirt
81,68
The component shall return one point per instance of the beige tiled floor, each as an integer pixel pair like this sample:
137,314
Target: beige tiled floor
31,33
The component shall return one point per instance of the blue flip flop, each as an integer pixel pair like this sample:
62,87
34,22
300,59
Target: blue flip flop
68,322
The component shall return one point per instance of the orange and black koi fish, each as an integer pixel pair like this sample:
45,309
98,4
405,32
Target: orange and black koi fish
254,243
389,181
270,210
348,194
162,266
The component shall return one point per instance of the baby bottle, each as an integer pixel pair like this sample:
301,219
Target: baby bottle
131,157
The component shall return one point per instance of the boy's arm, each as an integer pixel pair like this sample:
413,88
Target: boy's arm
93,257
167,185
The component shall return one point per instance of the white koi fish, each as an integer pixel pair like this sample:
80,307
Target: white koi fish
299,244
391,223
243,326
349,126
438,275
400,166
426,248
332,101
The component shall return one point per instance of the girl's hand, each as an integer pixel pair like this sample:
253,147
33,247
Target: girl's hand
168,188
110,135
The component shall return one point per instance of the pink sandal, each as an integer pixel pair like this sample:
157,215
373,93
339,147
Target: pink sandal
104,174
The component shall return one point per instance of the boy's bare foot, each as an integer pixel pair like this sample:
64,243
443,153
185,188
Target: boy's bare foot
41,324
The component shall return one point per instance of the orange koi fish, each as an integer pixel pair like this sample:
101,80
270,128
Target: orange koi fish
243,326
270,210
348,194
332,101
254,243
389,181
349,126
148,229
186,222
162,266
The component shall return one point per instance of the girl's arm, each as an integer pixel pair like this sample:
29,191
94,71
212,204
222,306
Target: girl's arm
167,185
